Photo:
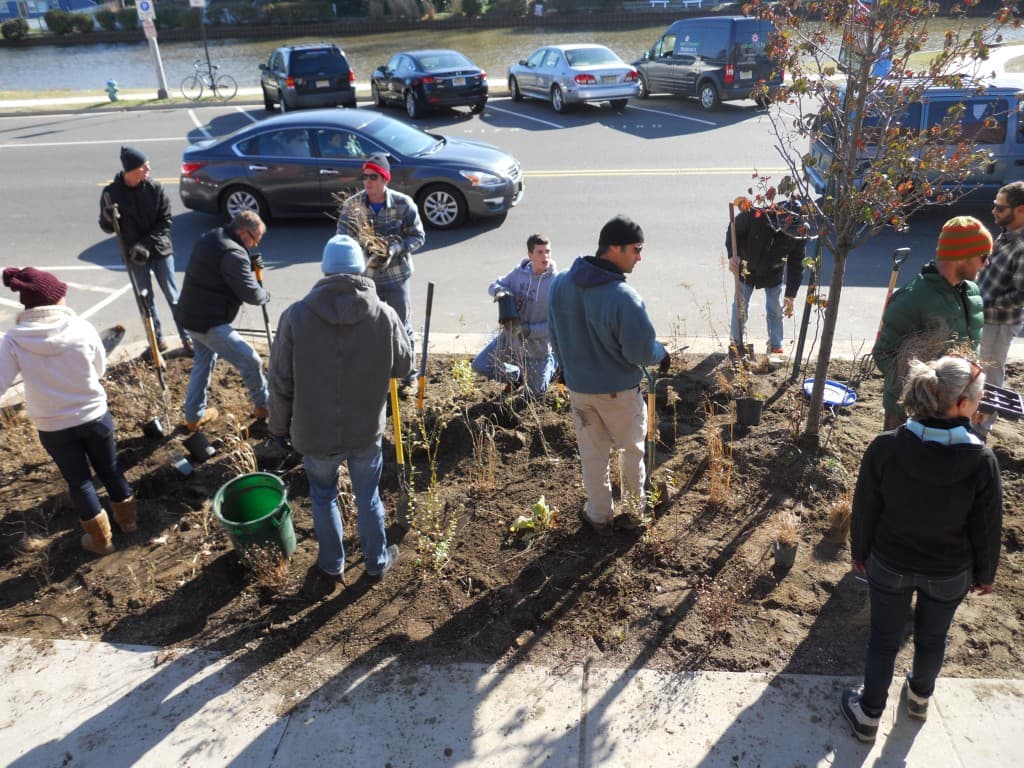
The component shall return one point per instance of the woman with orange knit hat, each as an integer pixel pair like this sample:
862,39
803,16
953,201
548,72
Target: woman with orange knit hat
61,359
939,308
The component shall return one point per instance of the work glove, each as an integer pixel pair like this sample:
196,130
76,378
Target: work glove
500,294
559,377
787,306
395,249
665,364
256,260
138,254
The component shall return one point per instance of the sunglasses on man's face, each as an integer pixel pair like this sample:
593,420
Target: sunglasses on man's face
1000,207
371,176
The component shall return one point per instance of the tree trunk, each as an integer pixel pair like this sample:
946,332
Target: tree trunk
810,438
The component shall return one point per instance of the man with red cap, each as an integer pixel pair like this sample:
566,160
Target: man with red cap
146,229
61,359
387,225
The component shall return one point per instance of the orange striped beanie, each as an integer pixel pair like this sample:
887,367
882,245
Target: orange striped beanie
963,237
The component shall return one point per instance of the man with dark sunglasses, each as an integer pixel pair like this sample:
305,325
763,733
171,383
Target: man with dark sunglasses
387,225
938,309
1002,288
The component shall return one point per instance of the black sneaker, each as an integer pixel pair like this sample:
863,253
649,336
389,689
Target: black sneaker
917,706
392,559
601,529
319,584
864,726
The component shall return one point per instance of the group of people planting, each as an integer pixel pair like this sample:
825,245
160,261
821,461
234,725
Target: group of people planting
927,508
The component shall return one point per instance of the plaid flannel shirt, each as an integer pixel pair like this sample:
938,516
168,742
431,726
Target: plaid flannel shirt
1002,281
398,218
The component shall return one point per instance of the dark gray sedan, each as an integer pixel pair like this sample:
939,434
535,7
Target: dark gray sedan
292,166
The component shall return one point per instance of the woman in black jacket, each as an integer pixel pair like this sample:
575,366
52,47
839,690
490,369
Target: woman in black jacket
927,518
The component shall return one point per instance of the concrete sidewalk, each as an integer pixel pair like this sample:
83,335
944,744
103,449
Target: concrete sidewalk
93,704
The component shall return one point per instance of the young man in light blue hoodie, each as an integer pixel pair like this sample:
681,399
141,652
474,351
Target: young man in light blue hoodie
521,350
603,339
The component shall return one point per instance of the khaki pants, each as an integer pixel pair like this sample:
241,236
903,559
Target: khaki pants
616,420
995,346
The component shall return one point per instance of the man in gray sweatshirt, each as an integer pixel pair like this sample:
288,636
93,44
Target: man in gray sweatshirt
335,351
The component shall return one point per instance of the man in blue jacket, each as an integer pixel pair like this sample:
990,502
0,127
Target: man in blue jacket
602,339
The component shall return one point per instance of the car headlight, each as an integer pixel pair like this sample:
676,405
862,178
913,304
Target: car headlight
481,179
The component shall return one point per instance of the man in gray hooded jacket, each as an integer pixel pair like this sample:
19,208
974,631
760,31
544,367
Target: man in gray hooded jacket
332,358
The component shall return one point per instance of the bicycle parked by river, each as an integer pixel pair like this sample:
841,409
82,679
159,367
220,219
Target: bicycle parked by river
223,87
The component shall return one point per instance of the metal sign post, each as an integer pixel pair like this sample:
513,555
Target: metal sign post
201,5
147,13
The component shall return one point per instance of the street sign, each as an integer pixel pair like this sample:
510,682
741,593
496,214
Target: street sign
197,3
149,29
146,10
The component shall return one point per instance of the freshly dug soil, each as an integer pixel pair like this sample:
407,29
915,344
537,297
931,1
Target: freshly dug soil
693,588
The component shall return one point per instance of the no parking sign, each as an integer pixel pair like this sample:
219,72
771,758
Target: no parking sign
146,10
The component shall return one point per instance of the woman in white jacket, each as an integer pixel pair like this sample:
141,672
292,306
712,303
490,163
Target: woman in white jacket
61,359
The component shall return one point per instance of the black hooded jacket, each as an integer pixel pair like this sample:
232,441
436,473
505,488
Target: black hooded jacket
145,215
929,508
766,253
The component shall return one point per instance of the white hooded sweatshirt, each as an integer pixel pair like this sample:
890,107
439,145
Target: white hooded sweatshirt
61,359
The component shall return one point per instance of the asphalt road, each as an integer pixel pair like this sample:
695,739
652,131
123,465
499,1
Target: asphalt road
662,162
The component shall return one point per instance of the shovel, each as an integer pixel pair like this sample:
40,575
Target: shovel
258,274
422,383
402,511
652,426
898,257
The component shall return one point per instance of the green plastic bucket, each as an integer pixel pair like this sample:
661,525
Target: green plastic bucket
254,510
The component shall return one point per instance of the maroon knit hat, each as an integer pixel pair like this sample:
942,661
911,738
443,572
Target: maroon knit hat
36,287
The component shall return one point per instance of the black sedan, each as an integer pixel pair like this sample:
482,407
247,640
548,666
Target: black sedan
424,80
292,166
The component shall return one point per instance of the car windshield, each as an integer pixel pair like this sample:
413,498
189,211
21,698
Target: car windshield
589,57
442,61
399,137
322,60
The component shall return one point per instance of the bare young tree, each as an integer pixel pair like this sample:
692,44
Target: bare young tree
847,121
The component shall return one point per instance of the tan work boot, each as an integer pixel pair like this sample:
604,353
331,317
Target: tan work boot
97,538
210,414
125,514
260,414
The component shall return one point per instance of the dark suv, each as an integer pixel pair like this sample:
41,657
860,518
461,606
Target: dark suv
309,75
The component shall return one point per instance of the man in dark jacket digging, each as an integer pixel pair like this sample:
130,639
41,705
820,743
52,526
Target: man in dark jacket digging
771,244
146,228
333,356
218,280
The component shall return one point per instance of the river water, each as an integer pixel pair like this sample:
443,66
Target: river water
88,67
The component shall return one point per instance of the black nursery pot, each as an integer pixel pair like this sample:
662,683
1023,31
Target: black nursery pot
199,448
785,556
748,411
153,429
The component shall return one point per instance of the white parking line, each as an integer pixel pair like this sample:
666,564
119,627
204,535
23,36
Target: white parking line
81,267
198,124
246,113
109,300
525,117
590,172
673,114
41,144
89,287
12,304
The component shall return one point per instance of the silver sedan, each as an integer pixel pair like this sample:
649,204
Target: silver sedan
572,74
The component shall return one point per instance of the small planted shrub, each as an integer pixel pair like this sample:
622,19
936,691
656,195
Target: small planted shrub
128,18
58,22
15,29
472,7
107,19
83,23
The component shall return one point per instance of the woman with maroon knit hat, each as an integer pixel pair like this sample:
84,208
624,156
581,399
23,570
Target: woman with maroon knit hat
61,359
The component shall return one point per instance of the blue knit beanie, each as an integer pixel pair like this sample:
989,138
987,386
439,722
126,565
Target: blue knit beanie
342,256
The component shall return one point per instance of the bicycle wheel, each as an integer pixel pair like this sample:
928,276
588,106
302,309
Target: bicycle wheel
192,87
225,87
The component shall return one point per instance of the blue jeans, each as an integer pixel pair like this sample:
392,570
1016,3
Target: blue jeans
493,362
396,296
222,341
73,449
364,467
938,597
773,308
163,269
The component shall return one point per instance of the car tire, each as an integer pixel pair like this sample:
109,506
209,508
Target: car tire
238,198
378,100
412,106
267,103
513,88
619,104
281,102
477,108
442,206
707,96
644,92
558,100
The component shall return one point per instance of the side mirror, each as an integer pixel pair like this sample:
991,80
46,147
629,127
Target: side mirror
522,62
383,69
263,67
646,56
